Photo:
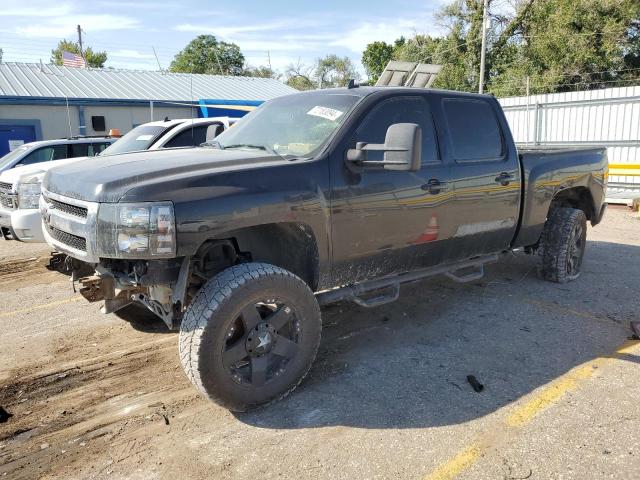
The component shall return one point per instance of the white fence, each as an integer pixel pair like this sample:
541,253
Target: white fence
609,118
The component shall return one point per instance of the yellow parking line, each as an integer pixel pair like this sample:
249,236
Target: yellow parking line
40,307
525,413
555,391
457,464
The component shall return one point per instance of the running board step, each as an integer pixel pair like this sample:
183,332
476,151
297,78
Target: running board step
357,291
469,277
378,300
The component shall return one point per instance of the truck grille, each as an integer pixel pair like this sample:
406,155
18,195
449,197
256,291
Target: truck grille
7,198
67,208
68,239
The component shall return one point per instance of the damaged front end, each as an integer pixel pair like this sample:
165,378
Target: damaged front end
159,285
119,252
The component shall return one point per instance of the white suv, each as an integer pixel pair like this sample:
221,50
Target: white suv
48,150
20,186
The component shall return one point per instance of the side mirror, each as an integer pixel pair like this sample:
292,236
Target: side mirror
402,149
213,131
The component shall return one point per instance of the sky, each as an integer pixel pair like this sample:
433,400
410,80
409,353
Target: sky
284,32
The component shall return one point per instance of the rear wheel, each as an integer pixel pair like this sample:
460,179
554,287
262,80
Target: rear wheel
250,335
562,245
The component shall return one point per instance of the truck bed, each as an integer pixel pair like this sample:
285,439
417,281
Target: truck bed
546,172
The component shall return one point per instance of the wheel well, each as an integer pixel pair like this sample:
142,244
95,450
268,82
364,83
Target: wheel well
578,197
288,245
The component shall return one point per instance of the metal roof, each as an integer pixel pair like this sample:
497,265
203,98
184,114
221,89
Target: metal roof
32,80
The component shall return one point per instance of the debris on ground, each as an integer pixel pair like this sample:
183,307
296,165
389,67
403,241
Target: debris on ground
4,415
473,381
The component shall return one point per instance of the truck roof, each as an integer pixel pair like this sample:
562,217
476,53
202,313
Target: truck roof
365,90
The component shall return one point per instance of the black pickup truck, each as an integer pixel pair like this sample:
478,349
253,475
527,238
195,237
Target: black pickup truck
313,198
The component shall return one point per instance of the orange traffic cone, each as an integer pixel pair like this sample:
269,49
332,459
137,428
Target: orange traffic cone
430,233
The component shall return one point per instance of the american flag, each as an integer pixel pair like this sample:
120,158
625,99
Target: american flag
72,60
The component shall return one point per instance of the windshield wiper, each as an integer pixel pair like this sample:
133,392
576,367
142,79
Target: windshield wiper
259,147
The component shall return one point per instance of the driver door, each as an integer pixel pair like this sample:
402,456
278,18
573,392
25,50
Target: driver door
386,221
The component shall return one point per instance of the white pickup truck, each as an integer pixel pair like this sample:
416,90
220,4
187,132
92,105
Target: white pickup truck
20,186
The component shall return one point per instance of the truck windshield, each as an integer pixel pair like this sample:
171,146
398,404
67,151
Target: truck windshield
140,138
12,155
297,125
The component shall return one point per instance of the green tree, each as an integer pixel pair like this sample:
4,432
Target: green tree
375,58
262,71
300,76
93,59
329,71
558,44
569,45
205,54
333,71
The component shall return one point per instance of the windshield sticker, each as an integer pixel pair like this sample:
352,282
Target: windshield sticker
325,112
144,138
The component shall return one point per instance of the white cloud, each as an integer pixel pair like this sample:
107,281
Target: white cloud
66,25
358,38
230,31
126,53
43,11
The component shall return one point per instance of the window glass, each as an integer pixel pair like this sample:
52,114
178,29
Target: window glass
140,138
13,155
45,154
299,125
78,150
473,129
399,110
97,148
191,137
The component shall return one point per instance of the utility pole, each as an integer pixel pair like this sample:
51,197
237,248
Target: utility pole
80,42
159,67
483,53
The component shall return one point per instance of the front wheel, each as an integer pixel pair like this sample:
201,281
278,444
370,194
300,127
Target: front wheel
562,245
250,335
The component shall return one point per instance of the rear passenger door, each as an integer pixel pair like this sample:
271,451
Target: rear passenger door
485,173
190,137
78,150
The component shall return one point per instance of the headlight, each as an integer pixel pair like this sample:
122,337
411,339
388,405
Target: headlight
29,193
136,230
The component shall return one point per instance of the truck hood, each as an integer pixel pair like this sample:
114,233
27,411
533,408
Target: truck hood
15,174
108,179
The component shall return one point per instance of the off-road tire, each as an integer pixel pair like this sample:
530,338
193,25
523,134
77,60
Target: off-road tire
562,227
204,328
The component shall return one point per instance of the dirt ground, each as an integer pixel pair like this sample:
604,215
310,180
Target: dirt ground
98,396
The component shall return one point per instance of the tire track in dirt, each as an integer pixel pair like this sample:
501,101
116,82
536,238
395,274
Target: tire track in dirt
27,270
82,407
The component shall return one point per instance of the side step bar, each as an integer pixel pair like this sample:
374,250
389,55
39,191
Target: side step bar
355,292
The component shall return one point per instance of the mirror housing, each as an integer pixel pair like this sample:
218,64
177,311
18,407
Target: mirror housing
402,149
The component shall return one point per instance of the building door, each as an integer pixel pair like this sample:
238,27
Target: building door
12,136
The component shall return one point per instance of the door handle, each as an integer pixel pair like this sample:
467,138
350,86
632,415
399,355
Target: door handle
504,179
434,186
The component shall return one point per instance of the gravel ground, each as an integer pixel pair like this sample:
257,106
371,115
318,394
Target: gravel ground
95,396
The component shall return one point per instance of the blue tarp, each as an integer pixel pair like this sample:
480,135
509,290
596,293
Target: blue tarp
226,108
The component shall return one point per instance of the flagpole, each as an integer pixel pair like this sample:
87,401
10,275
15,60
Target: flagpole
80,44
